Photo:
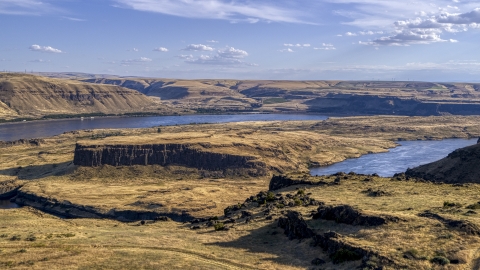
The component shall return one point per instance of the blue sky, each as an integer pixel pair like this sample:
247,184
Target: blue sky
245,39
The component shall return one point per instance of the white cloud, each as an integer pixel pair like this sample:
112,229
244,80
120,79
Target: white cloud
326,47
161,49
428,29
47,49
212,41
229,56
39,61
73,19
230,52
26,7
235,11
298,45
214,60
197,47
287,50
137,61
185,56
407,37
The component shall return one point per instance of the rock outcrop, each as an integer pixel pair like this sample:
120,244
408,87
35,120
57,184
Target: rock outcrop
282,181
348,215
460,166
295,226
68,209
334,244
165,154
9,189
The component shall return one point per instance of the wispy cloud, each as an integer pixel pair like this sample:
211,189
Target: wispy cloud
46,49
197,47
26,7
235,11
161,49
288,50
326,47
298,45
212,41
228,56
136,61
39,61
230,52
74,19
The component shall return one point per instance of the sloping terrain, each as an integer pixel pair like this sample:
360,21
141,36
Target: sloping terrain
191,94
460,166
237,221
334,97
33,96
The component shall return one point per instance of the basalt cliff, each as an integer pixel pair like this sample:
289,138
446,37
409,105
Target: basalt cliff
188,155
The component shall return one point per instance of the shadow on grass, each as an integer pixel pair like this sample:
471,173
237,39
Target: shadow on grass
40,171
271,241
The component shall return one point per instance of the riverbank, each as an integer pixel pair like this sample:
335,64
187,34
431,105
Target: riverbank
52,183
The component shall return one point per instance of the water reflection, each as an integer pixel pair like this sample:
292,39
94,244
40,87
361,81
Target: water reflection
40,129
410,154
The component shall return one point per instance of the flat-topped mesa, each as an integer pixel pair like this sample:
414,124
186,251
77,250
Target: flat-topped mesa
163,154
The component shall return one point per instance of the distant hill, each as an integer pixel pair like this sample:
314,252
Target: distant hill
24,95
460,166
191,94
337,97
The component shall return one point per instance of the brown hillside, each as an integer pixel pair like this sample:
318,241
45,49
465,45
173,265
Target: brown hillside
460,166
28,95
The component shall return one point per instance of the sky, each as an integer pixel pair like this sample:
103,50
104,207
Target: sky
245,39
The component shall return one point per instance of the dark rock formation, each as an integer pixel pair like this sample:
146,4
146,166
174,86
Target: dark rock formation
295,226
377,105
348,215
460,166
281,181
32,142
9,189
164,154
464,226
67,209
333,243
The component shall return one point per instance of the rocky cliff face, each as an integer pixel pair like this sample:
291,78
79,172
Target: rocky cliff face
368,104
460,166
29,95
164,154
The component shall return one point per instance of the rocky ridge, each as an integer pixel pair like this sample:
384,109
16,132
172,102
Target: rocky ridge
460,166
166,154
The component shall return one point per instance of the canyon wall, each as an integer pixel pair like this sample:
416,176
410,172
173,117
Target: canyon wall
163,154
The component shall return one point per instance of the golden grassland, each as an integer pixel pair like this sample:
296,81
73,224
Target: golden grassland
47,171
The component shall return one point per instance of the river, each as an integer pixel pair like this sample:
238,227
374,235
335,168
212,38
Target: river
48,128
408,155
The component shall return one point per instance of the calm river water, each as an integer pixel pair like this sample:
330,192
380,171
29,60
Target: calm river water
40,129
410,154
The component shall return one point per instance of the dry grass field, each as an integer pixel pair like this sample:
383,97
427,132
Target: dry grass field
30,238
